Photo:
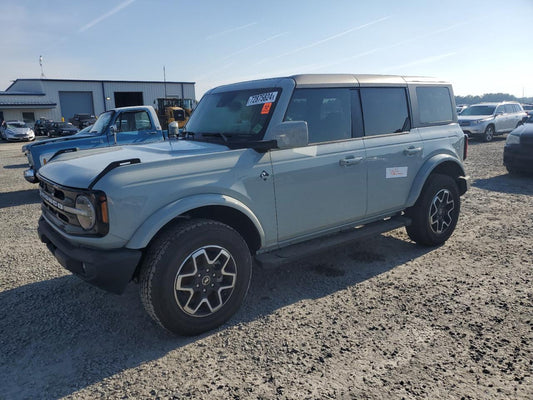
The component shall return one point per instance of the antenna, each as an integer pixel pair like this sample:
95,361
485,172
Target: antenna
41,64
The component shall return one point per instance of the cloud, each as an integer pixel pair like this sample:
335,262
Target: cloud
328,39
427,60
106,15
214,35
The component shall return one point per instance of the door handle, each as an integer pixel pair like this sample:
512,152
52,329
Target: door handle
412,150
350,160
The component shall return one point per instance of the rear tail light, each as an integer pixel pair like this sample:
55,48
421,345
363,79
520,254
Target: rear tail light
465,151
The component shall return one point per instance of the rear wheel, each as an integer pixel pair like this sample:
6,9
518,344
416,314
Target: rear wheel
195,276
435,213
489,133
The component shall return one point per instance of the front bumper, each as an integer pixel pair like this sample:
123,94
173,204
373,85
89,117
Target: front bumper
30,175
110,270
518,156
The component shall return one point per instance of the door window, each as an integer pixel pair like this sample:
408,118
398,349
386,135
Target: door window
326,111
434,104
132,122
385,110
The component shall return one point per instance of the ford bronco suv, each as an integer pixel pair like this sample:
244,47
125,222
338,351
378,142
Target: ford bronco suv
271,170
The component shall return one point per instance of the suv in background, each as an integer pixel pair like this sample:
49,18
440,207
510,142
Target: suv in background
485,120
41,126
276,169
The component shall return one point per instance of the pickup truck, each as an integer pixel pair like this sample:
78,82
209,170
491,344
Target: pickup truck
274,169
126,125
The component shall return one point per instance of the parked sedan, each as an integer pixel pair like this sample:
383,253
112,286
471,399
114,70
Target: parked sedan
16,131
518,150
61,129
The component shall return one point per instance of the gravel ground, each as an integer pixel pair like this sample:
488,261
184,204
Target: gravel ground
382,318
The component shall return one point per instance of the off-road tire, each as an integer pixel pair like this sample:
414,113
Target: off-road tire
184,247
435,213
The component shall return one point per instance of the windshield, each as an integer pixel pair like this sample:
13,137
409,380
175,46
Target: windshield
15,125
479,110
238,115
102,122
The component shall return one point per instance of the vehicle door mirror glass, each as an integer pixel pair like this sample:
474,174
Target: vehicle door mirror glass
173,129
290,134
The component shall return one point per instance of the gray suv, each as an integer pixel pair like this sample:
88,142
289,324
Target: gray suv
272,170
485,120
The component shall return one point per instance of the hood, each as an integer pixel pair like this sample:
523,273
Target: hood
18,130
473,117
55,140
523,130
79,169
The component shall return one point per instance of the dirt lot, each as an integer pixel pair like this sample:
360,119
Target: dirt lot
383,318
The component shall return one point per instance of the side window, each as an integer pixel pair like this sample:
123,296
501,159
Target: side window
509,108
434,104
385,110
133,121
326,111
500,109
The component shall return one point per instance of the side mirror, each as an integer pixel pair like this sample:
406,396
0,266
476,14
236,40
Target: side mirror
290,134
173,129
113,129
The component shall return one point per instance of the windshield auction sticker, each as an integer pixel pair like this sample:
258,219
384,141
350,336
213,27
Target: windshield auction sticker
262,98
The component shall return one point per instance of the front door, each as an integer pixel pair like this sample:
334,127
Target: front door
135,127
322,185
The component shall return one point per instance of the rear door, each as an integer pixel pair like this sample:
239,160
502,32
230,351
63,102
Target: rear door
393,150
135,127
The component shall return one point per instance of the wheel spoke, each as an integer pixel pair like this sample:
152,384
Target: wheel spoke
440,211
205,281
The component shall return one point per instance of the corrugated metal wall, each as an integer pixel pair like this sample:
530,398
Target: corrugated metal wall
102,94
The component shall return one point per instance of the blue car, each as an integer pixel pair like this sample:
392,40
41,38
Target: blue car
126,125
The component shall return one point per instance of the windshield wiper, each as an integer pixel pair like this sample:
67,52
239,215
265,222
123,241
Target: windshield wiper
216,134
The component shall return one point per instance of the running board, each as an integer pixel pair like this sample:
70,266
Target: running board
311,247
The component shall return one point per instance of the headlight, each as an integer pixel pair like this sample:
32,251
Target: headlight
87,215
512,139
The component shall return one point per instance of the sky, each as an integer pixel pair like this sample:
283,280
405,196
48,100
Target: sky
478,46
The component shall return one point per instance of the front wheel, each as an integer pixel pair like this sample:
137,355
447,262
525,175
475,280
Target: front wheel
435,213
195,276
489,134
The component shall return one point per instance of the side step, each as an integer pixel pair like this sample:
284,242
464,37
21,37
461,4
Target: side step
311,247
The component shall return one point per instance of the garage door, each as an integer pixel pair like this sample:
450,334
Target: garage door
75,103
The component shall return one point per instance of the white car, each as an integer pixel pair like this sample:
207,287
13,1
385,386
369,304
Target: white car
486,120
16,131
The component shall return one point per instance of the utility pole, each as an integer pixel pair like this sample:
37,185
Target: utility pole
165,80
41,64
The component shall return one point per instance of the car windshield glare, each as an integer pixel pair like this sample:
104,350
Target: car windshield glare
242,113
101,123
479,110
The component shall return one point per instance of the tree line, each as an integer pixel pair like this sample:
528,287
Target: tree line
492,97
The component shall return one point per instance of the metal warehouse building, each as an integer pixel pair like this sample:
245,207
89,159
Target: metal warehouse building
31,99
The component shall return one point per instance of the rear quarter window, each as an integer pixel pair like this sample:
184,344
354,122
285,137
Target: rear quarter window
434,105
